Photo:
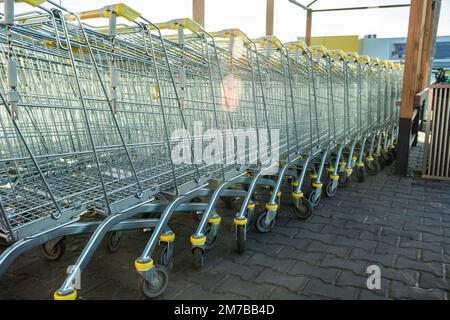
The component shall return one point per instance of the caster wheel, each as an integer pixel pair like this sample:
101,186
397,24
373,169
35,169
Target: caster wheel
210,240
330,191
344,180
199,258
53,251
361,174
394,153
388,158
261,225
381,162
314,197
373,167
154,289
163,256
240,239
304,210
113,241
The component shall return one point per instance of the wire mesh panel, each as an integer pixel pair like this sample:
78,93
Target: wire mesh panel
277,80
69,151
323,102
243,96
354,108
364,115
303,96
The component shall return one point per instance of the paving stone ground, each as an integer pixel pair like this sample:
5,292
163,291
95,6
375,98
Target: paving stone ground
400,224
416,156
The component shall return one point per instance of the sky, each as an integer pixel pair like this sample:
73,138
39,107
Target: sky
249,15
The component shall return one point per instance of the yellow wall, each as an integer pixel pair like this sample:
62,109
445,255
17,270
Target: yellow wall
345,43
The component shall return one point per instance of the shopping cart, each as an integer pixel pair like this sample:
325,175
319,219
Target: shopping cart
100,127
69,156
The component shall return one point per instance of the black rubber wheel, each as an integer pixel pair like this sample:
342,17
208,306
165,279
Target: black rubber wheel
303,211
240,238
313,199
373,167
394,153
381,162
162,256
113,241
388,158
330,192
361,173
55,252
260,224
344,180
210,241
199,258
156,289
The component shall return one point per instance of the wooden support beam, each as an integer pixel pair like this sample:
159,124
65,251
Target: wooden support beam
431,24
308,27
414,48
424,70
198,11
270,17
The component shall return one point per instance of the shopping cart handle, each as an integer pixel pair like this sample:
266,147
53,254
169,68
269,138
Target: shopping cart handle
264,41
120,9
297,45
339,53
375,60
229,33
363,59
186,23
318,49
352,56
33,3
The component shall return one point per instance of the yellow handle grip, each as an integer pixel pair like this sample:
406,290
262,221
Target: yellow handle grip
230,33
174,24
34,3
120,9
274,41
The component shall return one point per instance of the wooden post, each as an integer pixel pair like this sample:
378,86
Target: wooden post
414,59
424,70
308,27
198,11
269,17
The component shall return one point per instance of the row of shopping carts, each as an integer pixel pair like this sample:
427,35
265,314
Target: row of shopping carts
120,127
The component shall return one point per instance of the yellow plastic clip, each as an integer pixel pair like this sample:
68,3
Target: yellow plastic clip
215,220
198,241
251,206
334,177
71,296
240,222
167,237
297,195
271,206
143,266
317,185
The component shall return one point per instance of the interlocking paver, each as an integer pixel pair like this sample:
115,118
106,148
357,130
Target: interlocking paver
293,283
400,224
